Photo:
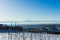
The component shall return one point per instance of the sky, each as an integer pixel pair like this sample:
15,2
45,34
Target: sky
20,10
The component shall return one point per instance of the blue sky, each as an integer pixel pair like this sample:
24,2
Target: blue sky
20,10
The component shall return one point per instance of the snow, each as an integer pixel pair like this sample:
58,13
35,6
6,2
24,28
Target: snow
28,36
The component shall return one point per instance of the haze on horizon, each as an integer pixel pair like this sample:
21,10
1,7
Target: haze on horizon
20,10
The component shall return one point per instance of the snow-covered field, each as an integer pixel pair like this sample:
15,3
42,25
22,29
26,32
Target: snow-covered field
28,36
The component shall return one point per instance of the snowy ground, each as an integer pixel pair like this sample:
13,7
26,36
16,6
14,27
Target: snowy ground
28,36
